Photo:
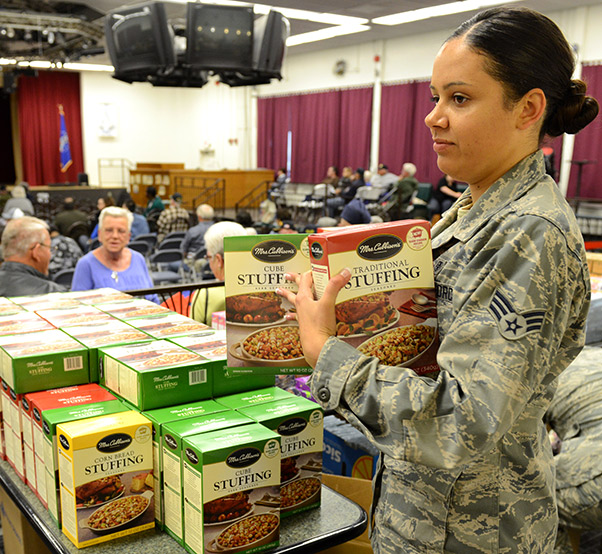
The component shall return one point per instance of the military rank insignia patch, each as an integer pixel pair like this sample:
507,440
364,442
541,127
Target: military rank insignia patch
512,324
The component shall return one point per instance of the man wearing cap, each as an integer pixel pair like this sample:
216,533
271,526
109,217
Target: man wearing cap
384,180
173,218
355,213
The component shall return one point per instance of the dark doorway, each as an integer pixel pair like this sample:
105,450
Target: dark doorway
7,161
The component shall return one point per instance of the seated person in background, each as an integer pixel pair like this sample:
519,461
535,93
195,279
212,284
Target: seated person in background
244,218
209,300
267,212
332,176
27,249
139,224
280,180
575,415
346,190
65,252
4,197
173,218
404,190
444,195
18,200
154,203
384,179
113,264
194,240
355,213
102,203
287,227
65,220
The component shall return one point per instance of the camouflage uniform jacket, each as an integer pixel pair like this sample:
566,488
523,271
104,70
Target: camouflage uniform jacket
465,461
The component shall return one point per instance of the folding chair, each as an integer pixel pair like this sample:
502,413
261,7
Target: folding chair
159,261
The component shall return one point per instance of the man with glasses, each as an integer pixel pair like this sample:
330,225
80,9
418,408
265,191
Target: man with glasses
26,249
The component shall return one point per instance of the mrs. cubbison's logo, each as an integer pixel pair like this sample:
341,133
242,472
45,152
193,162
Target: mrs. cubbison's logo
243,457
292,426
274,251
317,251
170,441
114,443
379,247
192,457
64,442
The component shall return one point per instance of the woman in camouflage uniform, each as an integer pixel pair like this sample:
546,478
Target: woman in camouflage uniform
465,463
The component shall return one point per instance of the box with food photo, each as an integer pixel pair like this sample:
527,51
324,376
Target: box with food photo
103,490
161,417
49,301
97,296
33,405
110,453
156,374
173,435
300,424
260,340
24,322
43,360
226,474
13,435
129,308
388,308
8,308
213,345
98,334
171,324
73,315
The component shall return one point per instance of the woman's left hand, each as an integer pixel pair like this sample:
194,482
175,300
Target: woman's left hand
317,321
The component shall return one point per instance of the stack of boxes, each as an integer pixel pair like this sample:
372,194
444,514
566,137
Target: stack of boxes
167,413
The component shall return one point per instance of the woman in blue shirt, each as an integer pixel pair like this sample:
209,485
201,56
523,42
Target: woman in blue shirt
113,264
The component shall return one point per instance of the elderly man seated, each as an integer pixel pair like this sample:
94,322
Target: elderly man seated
26,248
575,415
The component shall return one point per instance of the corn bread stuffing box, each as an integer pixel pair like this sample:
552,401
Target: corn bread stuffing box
156,374
228,474
388,308
106,452
260,338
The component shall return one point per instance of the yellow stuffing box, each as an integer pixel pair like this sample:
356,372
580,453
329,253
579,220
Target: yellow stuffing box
106,453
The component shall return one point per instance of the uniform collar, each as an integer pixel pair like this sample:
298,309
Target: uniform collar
505,191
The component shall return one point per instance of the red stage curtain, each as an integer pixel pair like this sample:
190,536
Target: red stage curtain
38,100
588,143
328,128
404,137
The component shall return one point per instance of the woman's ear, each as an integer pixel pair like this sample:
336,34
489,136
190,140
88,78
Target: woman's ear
532,107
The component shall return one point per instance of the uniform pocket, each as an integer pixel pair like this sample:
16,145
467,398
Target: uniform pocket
411,513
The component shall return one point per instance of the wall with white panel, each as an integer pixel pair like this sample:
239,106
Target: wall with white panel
175,124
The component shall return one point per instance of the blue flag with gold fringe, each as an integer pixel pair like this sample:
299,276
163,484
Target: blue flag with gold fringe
64,148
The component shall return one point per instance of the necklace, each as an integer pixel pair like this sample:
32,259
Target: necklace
115,276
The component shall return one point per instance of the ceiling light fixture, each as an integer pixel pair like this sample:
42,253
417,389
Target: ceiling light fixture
437,11
323,34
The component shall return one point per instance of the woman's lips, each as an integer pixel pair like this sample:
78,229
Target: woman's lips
440,146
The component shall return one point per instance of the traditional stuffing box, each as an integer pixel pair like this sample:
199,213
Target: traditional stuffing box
156,374
43,360
172,438
110,450
231,469
160,418
212,345
33,405
98,296
299,422
95,335
23,322
50,472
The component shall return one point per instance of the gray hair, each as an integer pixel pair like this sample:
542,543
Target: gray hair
114,211
18,192
409,168
205,211
214,236
21,234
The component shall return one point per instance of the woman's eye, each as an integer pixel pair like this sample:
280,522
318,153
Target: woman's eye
434,99
459,99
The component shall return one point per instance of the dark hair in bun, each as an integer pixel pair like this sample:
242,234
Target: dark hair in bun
527,50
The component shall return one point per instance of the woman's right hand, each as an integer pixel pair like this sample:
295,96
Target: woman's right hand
317,321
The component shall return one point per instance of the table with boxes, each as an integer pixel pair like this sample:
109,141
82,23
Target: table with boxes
122,417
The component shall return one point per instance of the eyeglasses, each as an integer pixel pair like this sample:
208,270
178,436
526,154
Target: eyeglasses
49,246
110,231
